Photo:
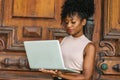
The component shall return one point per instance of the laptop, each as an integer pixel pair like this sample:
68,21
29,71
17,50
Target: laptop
45,54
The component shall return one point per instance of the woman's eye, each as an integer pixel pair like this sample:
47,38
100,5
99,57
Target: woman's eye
73,22
66,22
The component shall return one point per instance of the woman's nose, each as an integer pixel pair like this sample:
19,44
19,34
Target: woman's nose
69,24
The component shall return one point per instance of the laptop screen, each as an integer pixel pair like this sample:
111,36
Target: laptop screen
44,54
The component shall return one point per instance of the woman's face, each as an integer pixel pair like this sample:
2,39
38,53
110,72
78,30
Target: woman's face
74,25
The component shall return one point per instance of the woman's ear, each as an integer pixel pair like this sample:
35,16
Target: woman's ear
84,22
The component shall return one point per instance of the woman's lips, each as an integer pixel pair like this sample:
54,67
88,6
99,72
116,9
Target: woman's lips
69,30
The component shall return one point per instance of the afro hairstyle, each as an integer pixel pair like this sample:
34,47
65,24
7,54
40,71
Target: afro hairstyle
84,8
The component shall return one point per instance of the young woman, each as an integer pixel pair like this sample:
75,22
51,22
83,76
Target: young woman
78,51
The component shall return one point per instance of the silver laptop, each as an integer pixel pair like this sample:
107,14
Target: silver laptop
45,54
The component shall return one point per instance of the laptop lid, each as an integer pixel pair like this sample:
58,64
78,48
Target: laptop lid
44,54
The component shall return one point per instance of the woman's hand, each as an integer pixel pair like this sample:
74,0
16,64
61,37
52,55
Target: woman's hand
59,73
54,72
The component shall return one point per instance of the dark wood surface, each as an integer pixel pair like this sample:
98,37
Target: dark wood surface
22,20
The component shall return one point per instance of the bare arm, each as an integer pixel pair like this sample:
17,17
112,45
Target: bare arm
88,65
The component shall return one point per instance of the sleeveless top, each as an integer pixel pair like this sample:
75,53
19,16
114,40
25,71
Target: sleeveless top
73,51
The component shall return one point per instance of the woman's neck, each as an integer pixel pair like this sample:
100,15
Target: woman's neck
77,35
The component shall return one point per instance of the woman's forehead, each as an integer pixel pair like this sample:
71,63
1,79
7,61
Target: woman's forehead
74,16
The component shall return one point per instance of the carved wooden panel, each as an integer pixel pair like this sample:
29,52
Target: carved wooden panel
111,19
108,59
14,62
23,13
9,37
56,33
108,63
33,8
29,20
22,20
1,9
32,32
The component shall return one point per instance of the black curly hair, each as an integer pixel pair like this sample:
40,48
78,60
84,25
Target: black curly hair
84,8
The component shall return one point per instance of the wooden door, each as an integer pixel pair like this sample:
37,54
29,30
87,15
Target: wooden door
22,20
107,38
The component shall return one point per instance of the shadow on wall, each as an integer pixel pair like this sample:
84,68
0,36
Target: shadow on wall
89,28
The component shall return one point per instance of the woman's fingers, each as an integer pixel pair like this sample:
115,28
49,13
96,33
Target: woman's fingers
54,73
48,71
59,73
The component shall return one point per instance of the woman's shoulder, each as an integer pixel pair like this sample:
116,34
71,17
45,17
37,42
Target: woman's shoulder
90,47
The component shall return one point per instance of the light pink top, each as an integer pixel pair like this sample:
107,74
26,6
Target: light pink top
73,51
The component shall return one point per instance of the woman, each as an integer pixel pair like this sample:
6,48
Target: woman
78,51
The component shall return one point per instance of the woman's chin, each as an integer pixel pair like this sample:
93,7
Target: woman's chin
70,33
